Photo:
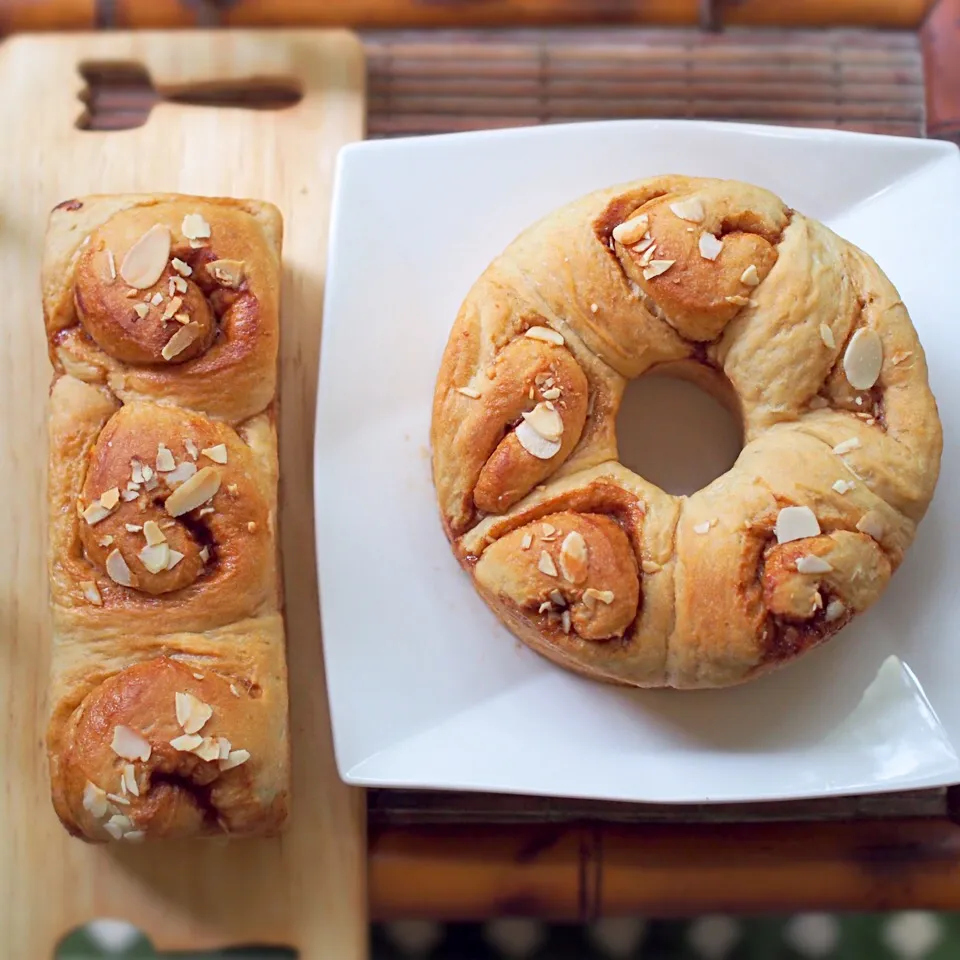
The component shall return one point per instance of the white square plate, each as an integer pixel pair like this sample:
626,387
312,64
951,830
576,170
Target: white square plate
426,688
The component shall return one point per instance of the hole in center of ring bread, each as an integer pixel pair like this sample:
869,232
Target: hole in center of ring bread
679,426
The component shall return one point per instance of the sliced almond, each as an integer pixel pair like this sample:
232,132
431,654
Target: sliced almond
194,492
846,446
630,231
644,244
191,447
92,592
205,555
235,758
136,470
128,495
175,557
796,523
194,227
648,254
594,307
95,512
546,565
109,266
227,272
141,310
739,301
469,392
110,498
178,284
710,246
702,527
117,569
826,335
130,780
186,743
545,334
650,566
534,444
192,713
224,744
118,798
153,533
106,541
217,454
843,486
526,542
94,800
184,269
551,393
574,557
147,474
165,461
208,750
180,340
545,421
565,621
234,690
690,209
750,277
134,836
557,598
183,473
656,268
813,564
592,596
129,744
547,529
147,258
113,827
172,307
871,523
863,359
155,559
157,299
835,610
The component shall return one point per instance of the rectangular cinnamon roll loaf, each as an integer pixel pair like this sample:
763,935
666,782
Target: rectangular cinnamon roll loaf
168,701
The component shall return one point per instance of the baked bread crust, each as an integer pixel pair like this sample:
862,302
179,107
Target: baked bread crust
719,282
163,562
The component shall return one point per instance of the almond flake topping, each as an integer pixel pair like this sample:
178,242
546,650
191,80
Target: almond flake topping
843,486
835,610
171,308
94,800
871,523
191,447
110,498
573,557
648,253
129,781
656,268
184,471
545,421
591,597
175,557
690,210
863,359
739,301
641,246
147,258
194,227
192,713
630,231
565,621
153,533
208,750
750,277
92,592
469,392
545,334
546,565
184,269
117,569
710,246
826,335
526,542
141,310
234,690
846,446
186,743
551,393
650,566
155,558
106,541
227,272
813,564
129,495
165,461
157,299
224,744
217,454
796,523
194,492
205,555
111,265
547,529
702,527
180,340
179,284
235,758
129,744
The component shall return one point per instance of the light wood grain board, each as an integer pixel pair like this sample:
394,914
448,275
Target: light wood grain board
306,889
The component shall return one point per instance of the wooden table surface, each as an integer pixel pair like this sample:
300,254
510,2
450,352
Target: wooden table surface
473,855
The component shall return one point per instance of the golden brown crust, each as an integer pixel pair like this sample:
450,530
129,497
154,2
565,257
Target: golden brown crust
719,282
163,554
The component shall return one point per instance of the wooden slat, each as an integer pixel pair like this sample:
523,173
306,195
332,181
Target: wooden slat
17,15
940,39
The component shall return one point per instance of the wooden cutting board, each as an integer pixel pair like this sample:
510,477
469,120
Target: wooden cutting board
307,889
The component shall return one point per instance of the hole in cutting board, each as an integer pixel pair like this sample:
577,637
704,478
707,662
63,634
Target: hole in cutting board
120,95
